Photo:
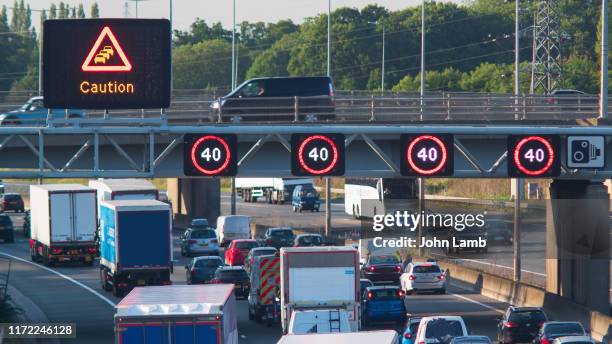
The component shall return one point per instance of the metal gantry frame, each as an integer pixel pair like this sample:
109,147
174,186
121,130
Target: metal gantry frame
371,150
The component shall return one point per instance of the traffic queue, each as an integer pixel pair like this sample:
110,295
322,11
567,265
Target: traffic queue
316,292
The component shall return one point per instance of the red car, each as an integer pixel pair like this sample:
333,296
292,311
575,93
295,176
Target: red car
238,250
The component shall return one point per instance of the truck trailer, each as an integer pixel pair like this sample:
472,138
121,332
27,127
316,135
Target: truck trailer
123,189
273,190
366,337
135,244
63,223
303,271
177,314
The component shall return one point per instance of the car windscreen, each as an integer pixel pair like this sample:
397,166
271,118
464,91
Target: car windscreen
284,233
246,245
563,328
385,294
231,274
308,193
199,223
524,316
311,239
384,260
426,269
263,252
441,328
203,234
208,263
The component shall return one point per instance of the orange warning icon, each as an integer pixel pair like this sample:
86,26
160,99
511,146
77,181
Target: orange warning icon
99,56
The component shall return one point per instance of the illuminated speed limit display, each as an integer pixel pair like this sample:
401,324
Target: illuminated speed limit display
427,155
533,156
317,154
210,155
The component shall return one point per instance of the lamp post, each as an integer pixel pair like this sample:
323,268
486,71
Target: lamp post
603,92
382,74
234,46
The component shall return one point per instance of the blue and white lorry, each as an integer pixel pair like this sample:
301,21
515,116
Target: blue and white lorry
178,314
135,244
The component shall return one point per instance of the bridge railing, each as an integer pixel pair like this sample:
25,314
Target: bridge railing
194,108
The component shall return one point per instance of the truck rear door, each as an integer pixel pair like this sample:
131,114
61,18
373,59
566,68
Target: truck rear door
84,216
145,333
144,239
61,222
170,333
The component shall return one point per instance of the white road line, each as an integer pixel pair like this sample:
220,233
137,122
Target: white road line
68,278
476,302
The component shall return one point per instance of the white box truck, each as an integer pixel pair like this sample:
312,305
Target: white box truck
124,189
319,289
178,314
366,337
274,190
63,223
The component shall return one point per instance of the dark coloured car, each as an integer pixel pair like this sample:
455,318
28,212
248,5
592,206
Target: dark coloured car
555,329
202,270
274,99
6,228
235,275
499,231
11,201
33,112
305,197
308,240
26,224
382,269
279,237
470,235
520,324
384,304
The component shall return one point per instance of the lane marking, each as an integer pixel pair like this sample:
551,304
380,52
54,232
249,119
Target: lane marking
68,278
501,266
465,298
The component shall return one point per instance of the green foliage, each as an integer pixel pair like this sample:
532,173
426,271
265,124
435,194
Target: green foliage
202,65
95,11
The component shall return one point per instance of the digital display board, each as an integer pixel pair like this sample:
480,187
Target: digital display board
317,154
533,156
210,155
106,63
427,155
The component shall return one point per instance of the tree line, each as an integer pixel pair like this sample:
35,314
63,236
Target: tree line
469,47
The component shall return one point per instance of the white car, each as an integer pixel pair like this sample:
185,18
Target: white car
423,276
440,329
574,340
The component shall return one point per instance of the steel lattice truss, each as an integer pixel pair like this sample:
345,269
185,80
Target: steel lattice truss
547,72
264,151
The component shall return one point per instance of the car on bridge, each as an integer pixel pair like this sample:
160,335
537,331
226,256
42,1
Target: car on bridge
382,269
277,99
33,112
383,304
520,324
551,330
201,270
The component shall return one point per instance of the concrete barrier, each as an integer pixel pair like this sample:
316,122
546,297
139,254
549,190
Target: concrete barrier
506,290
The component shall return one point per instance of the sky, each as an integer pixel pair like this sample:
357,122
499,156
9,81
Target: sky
186,11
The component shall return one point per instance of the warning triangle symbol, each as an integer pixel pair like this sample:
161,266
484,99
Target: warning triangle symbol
96,60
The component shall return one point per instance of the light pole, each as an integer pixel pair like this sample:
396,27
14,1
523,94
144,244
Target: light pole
421,181
234,46
518,183
327,179
328,37
382,74
603,92
136,5
171,74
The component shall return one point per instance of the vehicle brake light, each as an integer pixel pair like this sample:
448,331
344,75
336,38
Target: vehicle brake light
371,268
407,335
56,250
370,295
421,342
545,340
440,277
510,324
91,250
411,277
398,268
400,293
167,282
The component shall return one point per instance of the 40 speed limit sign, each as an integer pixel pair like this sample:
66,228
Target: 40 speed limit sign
317,154
210,155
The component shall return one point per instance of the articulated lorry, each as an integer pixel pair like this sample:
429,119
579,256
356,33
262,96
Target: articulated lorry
273,190
177,314
63,223
307,306
265,284
366,337
123,189
135,244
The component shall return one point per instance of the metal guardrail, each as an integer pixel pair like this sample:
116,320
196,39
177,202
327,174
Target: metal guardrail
346,108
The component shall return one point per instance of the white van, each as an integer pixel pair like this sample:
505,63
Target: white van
232,227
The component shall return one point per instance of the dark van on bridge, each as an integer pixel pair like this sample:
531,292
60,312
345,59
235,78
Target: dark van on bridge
277,99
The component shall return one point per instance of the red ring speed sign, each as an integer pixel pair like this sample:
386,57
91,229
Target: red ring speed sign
548,148
334,157
199,143
442,149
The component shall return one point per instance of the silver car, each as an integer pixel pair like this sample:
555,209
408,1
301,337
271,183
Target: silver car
199,241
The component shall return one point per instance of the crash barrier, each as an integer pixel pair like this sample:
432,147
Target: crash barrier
519,294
